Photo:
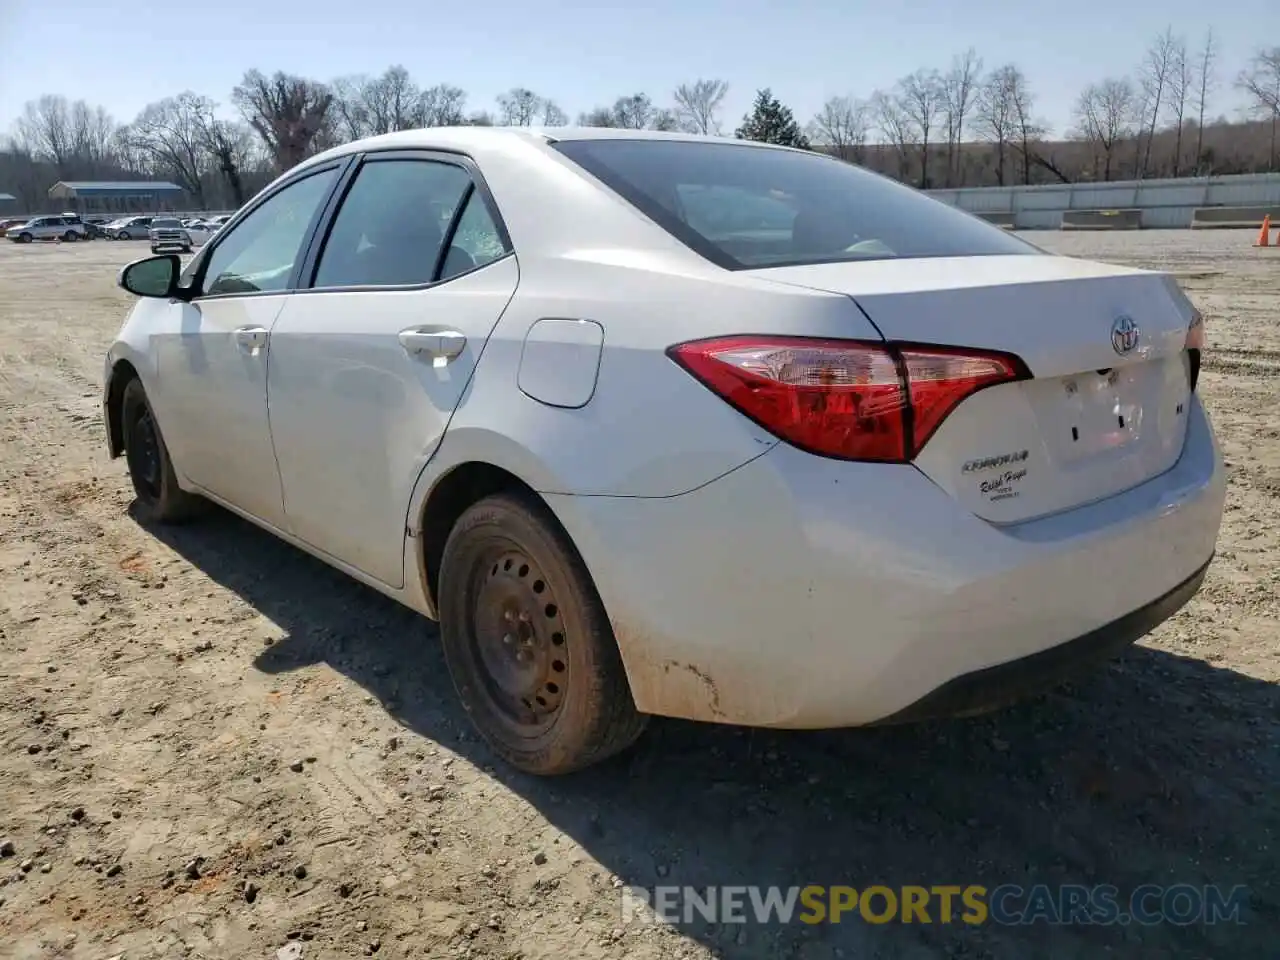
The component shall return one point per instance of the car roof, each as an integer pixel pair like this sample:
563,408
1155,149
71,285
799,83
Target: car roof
476,141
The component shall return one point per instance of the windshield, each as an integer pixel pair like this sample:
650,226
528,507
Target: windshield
744,206
166,223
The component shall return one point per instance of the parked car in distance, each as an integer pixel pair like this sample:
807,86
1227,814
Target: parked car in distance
658,424
128,228
11,222
170,233
68,228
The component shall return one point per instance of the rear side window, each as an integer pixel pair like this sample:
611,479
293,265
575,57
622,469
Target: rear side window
743,206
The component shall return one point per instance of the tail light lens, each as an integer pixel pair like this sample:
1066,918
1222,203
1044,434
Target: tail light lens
1195,344
845,398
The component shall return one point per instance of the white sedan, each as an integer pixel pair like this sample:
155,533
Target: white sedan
660,424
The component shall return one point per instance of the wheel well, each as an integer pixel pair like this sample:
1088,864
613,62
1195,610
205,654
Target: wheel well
462,486
121,374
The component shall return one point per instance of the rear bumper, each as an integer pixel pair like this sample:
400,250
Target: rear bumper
803,592
1006,683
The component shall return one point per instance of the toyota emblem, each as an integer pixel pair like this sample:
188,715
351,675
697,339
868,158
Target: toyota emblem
1124,335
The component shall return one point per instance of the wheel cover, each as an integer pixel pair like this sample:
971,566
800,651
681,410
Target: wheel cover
143,454
519,632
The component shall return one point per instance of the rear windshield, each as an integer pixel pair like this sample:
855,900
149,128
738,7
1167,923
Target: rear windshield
745,206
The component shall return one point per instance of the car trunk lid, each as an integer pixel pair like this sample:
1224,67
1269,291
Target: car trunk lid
1107,405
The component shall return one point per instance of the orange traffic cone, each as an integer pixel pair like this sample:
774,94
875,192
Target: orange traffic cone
1264,235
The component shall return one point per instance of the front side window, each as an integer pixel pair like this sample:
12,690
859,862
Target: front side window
392,224
745,206
258,256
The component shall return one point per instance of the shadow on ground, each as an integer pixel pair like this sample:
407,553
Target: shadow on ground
1156,770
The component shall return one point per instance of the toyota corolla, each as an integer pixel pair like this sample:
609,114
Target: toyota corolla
668,425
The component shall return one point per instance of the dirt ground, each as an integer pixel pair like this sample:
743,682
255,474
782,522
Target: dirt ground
212,745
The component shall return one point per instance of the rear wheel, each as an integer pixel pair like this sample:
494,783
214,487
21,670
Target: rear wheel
527,641
160,499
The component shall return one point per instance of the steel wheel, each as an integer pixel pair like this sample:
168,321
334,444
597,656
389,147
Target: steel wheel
527,640
520,639
150,469
143,453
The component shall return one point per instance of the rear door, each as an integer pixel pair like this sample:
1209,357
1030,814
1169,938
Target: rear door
368,365
1108,402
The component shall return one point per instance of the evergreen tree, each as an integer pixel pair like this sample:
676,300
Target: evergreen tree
771,122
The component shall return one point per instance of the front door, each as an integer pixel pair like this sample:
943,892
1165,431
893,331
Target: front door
213,370
368,365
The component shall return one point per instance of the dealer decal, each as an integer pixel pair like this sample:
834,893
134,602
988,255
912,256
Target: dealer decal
1003,487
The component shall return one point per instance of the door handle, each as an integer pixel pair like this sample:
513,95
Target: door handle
445,344
251,336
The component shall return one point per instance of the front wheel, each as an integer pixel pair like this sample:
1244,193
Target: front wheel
25,238
123,235
69,236
160,499
528,643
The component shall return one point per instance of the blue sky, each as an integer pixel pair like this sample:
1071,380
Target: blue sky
582,53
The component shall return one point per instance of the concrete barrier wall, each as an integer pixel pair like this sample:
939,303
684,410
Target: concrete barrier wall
1165,204
1210,218
1102,220
1005,219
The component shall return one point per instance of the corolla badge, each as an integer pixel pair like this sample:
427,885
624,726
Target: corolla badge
1124,335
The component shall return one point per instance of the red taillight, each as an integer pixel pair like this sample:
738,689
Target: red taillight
1195,331
844,398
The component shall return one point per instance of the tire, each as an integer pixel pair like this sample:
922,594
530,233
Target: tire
25,238
160,499
123,235
527,641
70,236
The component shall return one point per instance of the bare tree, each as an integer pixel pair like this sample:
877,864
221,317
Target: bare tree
597,117
633,112
1028,128
665,119
229,145
842,126
519,107
401,101
441,106
1181,84
698,103
171,134
45,129
921,98
92,134
348,114
1206,69
1104,113
286,111
1261,82
997,115
1157,66
959,91
552,115
892,122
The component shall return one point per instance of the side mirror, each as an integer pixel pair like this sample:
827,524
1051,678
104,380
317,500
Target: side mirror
152,277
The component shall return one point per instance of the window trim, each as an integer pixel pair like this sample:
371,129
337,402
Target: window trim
342,164
478,186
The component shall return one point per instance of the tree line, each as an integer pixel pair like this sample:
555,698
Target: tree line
965,125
